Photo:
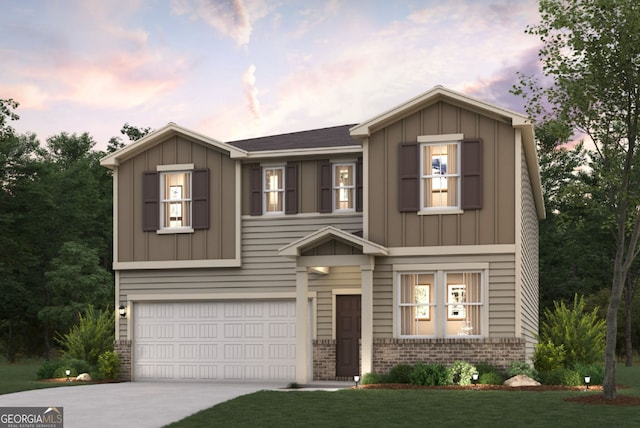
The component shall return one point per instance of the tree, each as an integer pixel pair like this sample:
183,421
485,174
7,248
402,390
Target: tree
591,54
572,249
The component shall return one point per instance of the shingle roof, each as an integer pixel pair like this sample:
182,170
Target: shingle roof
335,136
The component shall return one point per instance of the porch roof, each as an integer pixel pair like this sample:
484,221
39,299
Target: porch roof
327,233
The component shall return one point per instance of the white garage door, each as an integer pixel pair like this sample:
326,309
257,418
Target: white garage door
239,340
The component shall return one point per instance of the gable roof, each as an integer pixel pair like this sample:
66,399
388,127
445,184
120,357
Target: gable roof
335,136
328,233
114,159
440,93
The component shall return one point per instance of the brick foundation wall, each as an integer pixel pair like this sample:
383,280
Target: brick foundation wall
123,349
324,359
496,351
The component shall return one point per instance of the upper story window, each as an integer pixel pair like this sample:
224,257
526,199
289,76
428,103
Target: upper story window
273,190
440,177
344,186
441,304
175,199
440,174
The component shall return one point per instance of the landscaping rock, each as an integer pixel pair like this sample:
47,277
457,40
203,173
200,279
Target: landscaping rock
85,377
521,380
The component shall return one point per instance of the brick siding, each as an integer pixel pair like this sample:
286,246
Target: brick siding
496,351
123,349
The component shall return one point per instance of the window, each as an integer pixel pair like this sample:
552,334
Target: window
440,177
344,186
340,186
440,173
274,190
175,200
416,301
441,304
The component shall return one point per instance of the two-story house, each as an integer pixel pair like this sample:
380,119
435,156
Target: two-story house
412,236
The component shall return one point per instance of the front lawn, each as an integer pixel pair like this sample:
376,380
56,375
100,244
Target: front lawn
382,408
22,376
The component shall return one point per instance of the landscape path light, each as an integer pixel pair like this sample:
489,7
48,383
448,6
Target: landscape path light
474,379
587,380
356,378
67,372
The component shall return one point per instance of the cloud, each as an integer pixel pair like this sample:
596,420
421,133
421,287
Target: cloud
232,18
29,96
249,83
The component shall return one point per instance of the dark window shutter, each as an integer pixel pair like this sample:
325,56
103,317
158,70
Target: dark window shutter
200,198
409,166
256,190
359,186
471,174
325,204
291,189
150,202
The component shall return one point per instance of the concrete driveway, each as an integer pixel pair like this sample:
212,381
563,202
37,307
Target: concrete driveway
131,404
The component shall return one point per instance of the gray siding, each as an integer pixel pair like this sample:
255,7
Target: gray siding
263,270
347,277
530,274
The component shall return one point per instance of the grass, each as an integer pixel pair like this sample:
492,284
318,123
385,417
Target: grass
22,376
370,407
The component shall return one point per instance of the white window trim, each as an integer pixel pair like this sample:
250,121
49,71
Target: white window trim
163,170
264,189
335,188
438,141
440,296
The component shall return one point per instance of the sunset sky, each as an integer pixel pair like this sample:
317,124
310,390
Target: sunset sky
235,69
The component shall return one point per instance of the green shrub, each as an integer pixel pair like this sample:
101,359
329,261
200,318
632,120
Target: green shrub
372,378
399,374
594,371
460,373
76,366
548,356
561,376
48,369
109,365
491,378
57,368
582,333
521,368
429,375
92,336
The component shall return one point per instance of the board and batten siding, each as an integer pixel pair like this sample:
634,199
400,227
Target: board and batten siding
215,243
493,224
529,263
262,271
500,293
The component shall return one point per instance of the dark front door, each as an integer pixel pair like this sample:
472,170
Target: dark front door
347,335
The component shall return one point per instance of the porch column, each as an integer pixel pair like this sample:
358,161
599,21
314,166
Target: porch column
303,374
367,319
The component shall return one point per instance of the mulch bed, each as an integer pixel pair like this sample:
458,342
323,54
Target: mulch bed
621,400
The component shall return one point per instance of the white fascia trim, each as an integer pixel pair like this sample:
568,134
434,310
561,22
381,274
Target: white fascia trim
238,219
177,264
365,188
452,250
423,267
176,167
442,138
181,297
322,151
